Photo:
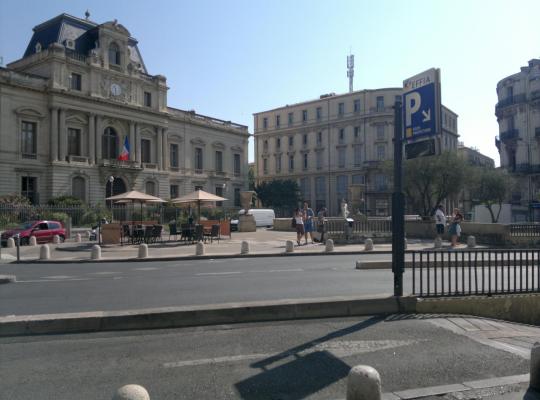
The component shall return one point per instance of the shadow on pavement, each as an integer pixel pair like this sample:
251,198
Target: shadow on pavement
309,371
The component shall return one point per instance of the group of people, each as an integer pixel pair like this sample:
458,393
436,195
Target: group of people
454,229
304,224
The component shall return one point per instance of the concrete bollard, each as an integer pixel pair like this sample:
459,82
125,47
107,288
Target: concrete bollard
44,252
471,241
329,245
33,241
10,243
363,383
78,238
199,249
368,245
535,367
438,243
244,249
56,239
289,246
405,244
96,252
131,392
143,250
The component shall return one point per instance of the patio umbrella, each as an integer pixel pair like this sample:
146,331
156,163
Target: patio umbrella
198,197
133,197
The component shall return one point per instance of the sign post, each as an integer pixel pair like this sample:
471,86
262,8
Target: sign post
398,205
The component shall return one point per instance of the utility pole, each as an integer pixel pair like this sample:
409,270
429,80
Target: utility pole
398,204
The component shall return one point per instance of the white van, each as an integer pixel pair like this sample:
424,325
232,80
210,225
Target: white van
263,217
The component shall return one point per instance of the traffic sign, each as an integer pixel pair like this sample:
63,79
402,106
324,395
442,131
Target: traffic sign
422,104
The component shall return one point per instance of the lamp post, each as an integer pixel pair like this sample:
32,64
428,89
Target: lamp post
111,181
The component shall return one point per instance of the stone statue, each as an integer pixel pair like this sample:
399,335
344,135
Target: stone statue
245,200
344,209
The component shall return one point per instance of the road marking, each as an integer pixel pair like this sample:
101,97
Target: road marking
57,277
55,280
284,270
218,273
339,349
147,269
104,273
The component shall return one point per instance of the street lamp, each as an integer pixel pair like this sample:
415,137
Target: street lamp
111,181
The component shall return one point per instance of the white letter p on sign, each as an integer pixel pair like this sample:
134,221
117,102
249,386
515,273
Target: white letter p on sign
412,105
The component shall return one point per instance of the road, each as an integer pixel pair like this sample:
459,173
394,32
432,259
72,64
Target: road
289,360
60,288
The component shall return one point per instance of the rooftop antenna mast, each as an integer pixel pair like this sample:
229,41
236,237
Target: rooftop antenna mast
350,71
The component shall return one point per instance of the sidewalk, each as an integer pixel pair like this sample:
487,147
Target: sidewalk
263,242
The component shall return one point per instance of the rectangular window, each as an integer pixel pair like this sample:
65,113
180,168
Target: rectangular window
148,99
278,143
198,159
237,166
319,138
28,133
380,103
381,152
304,139
320,187
291,141
76,81
319,158
237,197
357,105
146,156
305,188
29,189
304,115
341,157
74,142
278,121
265,145
265,123
380,132
342,183
305,161
509,92
219,161
319,113
357,155
290,118
356,132
265,166
341,109
510,122
219,192
173,149
173,191
397,98
278,163
291,163
341,137
358,179
380,182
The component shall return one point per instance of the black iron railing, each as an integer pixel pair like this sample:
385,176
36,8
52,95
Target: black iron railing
479,272
525,230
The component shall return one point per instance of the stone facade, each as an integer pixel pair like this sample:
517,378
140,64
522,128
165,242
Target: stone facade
79,94
334,142
518,142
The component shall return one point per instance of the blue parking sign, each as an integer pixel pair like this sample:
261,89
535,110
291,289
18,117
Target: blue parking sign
421,104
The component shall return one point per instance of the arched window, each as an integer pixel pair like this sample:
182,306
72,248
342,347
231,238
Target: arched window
78,188
150,188
110,144
114,54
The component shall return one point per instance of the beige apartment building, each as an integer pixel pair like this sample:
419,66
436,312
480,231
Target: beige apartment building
335,141
518,142
79,94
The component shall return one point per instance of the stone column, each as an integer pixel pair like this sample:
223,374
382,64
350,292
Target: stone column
98,139
137,144
159,149
54,134
92,139
165,150
62,135
131,141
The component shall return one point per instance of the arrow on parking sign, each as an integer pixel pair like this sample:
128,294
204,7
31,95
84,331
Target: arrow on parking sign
427,115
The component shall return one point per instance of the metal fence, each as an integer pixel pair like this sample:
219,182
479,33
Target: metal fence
479,272
525,230
339,225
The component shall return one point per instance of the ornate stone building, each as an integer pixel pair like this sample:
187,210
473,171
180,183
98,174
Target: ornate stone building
78,96
518,115
334,142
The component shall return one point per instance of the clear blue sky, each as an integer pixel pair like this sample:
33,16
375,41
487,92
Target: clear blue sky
229,59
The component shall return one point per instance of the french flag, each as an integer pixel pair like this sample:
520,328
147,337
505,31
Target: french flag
124,155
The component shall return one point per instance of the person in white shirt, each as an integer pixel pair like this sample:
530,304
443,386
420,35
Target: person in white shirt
440,220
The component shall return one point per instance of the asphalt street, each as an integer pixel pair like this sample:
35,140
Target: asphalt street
280,360
60,288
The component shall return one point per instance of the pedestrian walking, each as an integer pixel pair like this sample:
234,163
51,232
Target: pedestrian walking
455,228
321,217
299,224
308,221
440,220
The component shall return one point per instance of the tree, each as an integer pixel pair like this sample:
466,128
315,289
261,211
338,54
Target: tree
251,177
490,187
279,194
430,180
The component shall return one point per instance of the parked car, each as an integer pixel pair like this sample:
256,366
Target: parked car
43,231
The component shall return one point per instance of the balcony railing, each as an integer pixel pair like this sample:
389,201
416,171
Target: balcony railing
75,56
119,163
516,99
509,134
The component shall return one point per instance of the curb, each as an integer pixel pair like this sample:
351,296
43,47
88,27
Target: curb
177,317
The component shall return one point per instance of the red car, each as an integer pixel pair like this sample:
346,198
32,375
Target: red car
44,232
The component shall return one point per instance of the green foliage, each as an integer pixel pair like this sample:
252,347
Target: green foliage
490,187
91,216
279,194
14,200
54,216
251,178
430,180
66,201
